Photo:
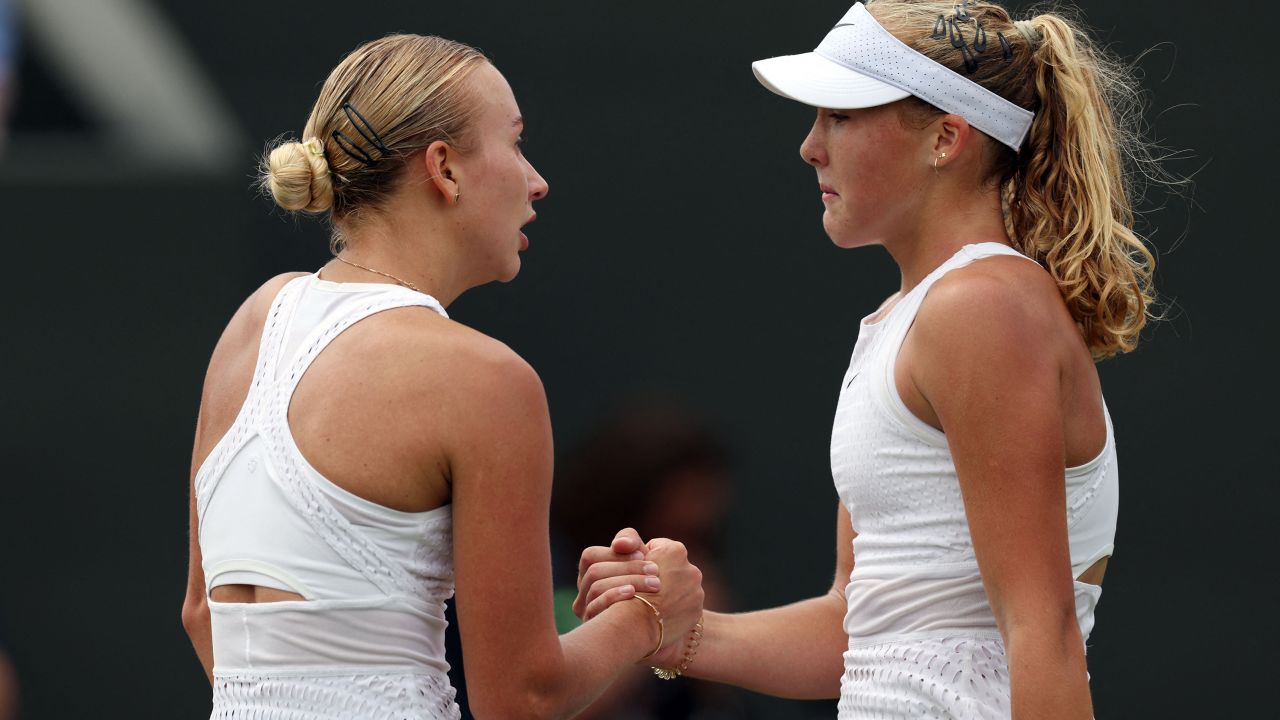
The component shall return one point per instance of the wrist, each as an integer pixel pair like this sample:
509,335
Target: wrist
639,622
657,623
688,649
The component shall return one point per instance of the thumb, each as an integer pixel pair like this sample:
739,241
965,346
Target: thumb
628,542
657,544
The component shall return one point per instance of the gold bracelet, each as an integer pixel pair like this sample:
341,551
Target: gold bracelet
695,639
657,614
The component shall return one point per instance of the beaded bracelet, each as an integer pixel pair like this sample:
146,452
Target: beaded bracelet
657,614
695,639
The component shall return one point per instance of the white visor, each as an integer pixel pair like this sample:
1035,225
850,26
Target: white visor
860,64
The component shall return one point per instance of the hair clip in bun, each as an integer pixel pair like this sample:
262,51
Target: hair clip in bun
313,147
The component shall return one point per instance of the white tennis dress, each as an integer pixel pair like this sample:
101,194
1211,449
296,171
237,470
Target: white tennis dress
368,640
923,641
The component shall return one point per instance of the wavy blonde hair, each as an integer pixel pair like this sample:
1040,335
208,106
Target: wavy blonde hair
412,91
1067,193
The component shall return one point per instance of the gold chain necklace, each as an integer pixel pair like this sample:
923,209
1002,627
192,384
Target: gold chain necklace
405,283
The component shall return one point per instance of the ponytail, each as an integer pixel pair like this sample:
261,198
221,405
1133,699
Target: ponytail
1068,199
1068,192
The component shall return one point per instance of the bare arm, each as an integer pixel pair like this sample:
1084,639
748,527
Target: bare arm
794,651
225,386
195,607
989,361
501,467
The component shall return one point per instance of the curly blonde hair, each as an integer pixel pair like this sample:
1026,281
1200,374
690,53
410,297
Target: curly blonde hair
1067,193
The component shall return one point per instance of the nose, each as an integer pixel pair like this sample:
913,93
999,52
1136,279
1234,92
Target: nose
538,187
812,150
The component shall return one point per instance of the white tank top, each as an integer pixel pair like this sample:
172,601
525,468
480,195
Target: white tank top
368,640
915,573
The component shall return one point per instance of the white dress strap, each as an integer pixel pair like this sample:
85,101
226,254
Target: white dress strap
241,430
351,544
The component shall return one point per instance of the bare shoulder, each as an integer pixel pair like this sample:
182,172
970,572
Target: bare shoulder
226,382
459,361
476,393
246,325
999,301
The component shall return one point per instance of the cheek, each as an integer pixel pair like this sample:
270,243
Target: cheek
879,172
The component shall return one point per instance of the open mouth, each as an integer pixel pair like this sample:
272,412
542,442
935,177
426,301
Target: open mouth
524,239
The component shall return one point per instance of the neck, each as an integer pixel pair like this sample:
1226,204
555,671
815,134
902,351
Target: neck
413,244
947,222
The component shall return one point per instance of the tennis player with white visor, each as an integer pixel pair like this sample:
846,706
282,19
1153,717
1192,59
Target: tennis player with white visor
971,448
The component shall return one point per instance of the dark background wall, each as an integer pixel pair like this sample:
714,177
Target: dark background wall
680,251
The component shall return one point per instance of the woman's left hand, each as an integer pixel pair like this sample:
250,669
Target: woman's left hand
607,575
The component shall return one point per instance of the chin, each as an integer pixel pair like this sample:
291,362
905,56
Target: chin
840,236
845,237
510,272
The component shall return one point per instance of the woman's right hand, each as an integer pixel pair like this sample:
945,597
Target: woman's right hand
610,575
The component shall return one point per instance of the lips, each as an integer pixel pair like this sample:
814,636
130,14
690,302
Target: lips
524,239
827,189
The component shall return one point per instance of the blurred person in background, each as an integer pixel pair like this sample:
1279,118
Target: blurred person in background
971,447
654,465
8,688
357,452
9,695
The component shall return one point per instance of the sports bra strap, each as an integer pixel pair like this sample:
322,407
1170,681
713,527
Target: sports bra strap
249,417
323,334
349,542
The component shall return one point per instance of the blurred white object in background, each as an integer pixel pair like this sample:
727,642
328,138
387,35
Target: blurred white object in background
134,73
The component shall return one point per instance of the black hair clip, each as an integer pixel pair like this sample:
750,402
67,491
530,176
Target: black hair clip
980,38
365,128
955,35
1005,51
970,60
939,28
962,11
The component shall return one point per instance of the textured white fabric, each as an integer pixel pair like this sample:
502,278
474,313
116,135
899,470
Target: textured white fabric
368,640
860,64
956,678
915,581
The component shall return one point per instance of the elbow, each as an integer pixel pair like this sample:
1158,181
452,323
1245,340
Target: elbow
515,704
195,616
1051,624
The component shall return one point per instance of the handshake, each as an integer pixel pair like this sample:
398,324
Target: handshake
657,573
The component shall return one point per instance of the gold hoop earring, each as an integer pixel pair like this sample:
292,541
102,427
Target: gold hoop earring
457,196
935,161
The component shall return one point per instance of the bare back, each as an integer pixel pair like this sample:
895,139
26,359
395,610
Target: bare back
369,414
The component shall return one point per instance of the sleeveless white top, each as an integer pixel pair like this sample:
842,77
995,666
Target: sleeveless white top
368,640
922,635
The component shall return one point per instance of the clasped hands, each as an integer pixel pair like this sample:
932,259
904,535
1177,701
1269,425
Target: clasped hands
660,570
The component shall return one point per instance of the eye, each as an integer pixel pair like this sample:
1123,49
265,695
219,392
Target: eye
838,117
520,141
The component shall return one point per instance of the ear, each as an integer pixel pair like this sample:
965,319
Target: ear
443,169
954,136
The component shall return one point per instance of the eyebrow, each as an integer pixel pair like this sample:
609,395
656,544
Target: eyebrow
518,122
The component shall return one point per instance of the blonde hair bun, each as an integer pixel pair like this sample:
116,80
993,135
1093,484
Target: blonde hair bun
297,175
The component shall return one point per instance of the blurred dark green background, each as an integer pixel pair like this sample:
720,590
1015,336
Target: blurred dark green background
680,252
